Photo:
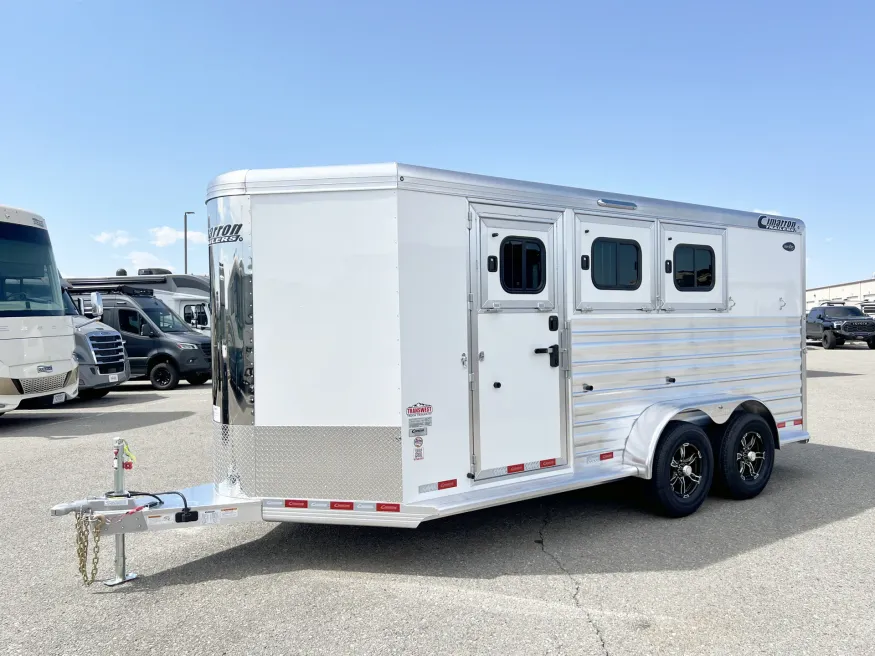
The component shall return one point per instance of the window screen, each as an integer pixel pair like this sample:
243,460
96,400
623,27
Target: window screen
523,264
693,268
616,264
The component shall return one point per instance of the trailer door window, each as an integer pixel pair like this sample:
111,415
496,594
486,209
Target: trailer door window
616,264
522,265
693,268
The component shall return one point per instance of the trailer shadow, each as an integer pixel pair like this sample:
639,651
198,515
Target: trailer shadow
71,425
599,530
811,373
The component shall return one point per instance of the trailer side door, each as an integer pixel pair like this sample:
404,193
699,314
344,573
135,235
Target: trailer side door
516,325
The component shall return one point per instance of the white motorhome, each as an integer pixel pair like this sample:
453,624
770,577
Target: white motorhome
37,366
428,343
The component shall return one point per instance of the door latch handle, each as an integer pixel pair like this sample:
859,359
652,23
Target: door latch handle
553,351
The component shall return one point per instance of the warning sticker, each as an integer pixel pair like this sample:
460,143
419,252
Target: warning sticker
228,513
419,410
415,422
217,414
418,431
211,516
117,501
417,453
417,442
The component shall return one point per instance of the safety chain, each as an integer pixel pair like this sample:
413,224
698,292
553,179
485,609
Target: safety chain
83,523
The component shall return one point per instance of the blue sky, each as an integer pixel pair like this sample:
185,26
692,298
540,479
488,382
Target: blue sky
116,115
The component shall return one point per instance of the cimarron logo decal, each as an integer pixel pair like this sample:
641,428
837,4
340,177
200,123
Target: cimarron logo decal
225,234
781,225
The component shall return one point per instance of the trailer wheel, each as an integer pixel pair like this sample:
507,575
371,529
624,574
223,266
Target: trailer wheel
746,457
164,376
682,470
829,340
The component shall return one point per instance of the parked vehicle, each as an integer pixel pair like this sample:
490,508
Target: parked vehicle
187,295
160,346
99,351
36,337
447,342
834,324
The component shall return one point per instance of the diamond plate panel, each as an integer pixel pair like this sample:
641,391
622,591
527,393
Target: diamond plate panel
311,462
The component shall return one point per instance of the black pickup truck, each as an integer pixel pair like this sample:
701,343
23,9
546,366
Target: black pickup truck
833,325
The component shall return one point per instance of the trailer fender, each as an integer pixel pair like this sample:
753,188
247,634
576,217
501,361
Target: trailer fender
647,429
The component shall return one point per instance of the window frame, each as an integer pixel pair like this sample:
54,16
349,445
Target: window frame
142,316
674,268
543,252
618,241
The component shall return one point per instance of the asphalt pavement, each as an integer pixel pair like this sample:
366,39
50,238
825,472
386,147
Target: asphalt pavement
587,572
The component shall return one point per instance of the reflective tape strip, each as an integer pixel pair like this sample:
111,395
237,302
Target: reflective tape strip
342,505
788,423
440,485
519,468
307,504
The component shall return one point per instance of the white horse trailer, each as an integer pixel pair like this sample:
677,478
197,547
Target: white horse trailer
428,343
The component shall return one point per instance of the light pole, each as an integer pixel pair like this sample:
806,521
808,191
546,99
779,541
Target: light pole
185,237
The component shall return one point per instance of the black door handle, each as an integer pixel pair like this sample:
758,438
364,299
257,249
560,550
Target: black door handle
553,351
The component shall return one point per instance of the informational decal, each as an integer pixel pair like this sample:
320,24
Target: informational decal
781,225
39,223
228,513
422,430
417,453
789,247
417,442
224,234
419,410
157,520
211,516
117,501
217,414
413,422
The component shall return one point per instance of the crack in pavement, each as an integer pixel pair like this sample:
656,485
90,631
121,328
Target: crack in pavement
574,582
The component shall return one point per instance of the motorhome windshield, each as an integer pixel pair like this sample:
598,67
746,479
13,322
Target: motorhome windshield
70,308
163,317
29,282
844,312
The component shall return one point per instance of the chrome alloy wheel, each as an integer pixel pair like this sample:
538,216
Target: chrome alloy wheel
686,470
751,456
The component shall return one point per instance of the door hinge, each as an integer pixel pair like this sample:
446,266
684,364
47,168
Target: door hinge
470,300
470,221
471,383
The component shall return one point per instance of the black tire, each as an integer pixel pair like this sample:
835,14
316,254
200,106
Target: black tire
164,376
840,341
197,379
829,340
738,475
871,343
92,394
683,458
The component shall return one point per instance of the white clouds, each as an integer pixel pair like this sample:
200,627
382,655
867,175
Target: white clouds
114,238
144,260
770,212
829,240
167,236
